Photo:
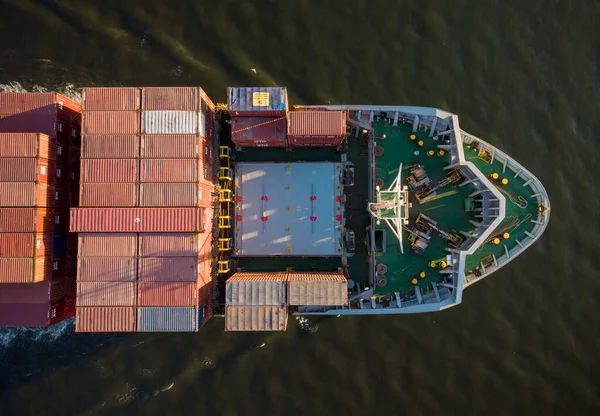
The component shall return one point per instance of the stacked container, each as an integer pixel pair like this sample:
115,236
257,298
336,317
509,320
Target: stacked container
35,183
308,128
147,167
258,116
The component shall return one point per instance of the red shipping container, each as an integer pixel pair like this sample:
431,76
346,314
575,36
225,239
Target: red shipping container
27,145
106,293
61,177
169,170
69,306
207,152
41,102
107,245
111,122
25,270
108,194
175,195
171,98
259,131
107,269
167,294
168,269
26,220
110,147
111,98
26,194
105,319
25,244
169,244
109,170
25,292
73,198
30,314
170,146
317,126
26,170
124,220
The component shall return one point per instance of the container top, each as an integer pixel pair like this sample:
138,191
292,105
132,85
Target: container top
316,123
253,99
259,128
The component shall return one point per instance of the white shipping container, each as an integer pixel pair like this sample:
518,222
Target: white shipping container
202,125
171,122
168,319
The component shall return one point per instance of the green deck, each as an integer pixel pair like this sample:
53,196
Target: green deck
514,213
447,208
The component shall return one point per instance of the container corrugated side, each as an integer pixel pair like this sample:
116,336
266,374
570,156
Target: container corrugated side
105,319
109,170
170,170
111,98
170,122
27,170
126,220
170,98
19,102
108,194
167,319
257,101
168,244
153,293
106,269
317,124
106,293
27,122
26,220
25,270
255,318
169,195
107,245
170,146
110,147
25,244
256,131
27,145
26,194
168,269
111,122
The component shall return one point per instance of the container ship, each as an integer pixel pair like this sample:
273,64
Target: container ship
152,209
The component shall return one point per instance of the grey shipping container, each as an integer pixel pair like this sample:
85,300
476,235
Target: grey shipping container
168,319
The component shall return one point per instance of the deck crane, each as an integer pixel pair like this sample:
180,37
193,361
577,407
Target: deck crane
421,184
422,231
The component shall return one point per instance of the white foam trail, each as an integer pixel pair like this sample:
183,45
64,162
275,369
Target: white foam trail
8,336
306,325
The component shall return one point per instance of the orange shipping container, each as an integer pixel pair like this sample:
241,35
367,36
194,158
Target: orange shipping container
107,245
27,145
169,170
170,146
108,194
25,270
111,122
317,124
111,98
171,98
26,194
27,170
167,294
126,220
105,319
26,220
106,269
109,170
25,244
42,102
168,269
169,244
110,147
106,293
